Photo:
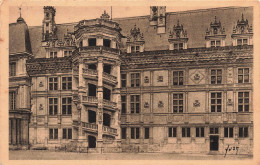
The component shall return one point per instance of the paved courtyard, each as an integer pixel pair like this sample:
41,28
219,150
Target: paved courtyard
52,155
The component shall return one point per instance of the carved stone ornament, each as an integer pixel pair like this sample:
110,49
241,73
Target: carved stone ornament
229,102
146,105
79,107
160,104
100,117
196,103
146,79
215,28
41,107
196,77
41,84
160,79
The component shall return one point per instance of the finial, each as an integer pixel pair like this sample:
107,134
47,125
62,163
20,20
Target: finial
242,17
215,19
20,11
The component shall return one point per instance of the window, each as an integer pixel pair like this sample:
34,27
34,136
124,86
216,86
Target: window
186,132
242,42
243,75
243,132
146,133
228,132
178,103
216,76
53,134
172,132
178,46
53,106
12,100
66,133
135,133
243,101
200,132
53,54
123,80
135,80
12,69
66,83
213,130
123,102
92,42
135,103
67,53
215,43
106,42
123,133
216,102
81,44
53,83
178,78
66,106
135,49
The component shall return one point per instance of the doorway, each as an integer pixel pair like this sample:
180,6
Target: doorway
106,119
91,142
91,116
214,143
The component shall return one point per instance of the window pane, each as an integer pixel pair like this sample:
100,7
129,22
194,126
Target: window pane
230,132
226,132
197,132
202,132
64,133
170,132
137,133
132,133
246,132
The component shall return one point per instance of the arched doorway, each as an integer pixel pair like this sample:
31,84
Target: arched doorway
91,142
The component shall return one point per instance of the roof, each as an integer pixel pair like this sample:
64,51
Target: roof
195,22
19,38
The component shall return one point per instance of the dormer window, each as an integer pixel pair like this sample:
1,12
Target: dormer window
135,49
135,41
53,54
242,33
215,43
92,42
215,35
178,46
106,42
178,38
242,42
67,53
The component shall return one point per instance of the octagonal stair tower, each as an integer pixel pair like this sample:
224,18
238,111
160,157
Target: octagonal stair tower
96,70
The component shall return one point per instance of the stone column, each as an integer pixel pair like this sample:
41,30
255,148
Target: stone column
80,93
100,102
117,97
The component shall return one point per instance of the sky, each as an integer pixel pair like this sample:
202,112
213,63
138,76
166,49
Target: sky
33,15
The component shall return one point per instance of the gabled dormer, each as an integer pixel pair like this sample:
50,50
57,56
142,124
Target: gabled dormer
135,41
215,35
178,38
242,33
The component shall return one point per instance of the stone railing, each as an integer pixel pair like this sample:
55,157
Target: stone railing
109,130
91,126
109,77
90,99
90,72
99,48
109,104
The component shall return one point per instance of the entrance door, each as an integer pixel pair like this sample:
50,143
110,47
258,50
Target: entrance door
91,142
213,143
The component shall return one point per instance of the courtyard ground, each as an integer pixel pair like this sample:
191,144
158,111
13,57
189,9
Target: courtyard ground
52,155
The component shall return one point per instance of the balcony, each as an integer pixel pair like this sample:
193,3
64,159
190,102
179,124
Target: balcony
109,78
90,100
109,105
109,131
90,73
92,127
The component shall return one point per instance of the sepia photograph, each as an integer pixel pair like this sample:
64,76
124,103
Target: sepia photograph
111,82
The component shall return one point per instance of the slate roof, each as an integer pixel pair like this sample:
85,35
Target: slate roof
19,40
195,22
